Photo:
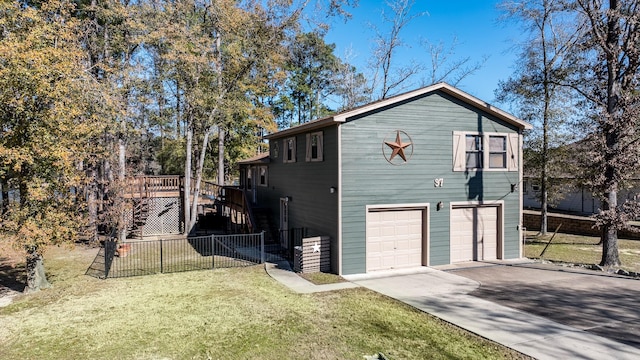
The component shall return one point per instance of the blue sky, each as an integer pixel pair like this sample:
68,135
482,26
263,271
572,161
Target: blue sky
475,24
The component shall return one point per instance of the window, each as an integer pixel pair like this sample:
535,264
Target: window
497,152
262,170
473,158
535,186
275,150
249,176
485,151
290,150
314,146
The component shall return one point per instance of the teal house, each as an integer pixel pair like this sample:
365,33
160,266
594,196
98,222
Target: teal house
426,178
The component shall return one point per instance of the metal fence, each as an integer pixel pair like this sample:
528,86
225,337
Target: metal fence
146,257
291,238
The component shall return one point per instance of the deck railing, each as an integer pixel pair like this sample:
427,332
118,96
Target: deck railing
148,185
240,207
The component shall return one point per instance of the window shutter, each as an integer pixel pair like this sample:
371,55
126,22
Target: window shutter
458,151
320,146
513,144
308,153
294,150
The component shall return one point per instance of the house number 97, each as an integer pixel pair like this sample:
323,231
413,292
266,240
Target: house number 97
438,182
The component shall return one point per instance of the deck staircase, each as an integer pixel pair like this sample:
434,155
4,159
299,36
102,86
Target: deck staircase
264,223
142,194
140,215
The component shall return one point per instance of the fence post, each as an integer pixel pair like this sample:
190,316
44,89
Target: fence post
262,247
109,252
161,267
213,252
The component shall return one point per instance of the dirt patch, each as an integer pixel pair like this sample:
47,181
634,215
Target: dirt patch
11,273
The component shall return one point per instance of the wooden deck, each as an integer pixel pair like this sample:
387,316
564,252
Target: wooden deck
167,186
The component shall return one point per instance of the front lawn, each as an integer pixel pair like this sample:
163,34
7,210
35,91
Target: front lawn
578,249
236,313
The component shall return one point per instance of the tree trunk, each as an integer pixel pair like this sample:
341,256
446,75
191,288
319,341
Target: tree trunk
93,205
221,135
4,198
36,276
196,188
187,178
610,255
122,226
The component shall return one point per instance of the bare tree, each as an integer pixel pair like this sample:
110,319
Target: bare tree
445,66
535,87
609,82
388,77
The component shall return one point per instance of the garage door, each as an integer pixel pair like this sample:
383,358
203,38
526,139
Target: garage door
394,238
474,233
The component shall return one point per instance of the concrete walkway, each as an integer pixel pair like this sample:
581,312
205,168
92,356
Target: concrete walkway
446,296
282,272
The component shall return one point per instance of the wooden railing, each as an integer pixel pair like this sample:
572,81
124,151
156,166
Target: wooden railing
236,200
149,186
146,186
210,189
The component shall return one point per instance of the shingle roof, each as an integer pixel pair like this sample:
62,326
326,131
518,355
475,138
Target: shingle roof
256,160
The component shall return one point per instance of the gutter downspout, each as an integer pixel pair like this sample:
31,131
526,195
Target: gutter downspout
520,180
339,200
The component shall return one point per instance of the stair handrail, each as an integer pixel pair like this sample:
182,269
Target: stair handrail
237,197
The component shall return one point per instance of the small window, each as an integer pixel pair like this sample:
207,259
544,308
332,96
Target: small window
473,152
275,150
497,152
314,146
535,186
290,150
249,176
263,176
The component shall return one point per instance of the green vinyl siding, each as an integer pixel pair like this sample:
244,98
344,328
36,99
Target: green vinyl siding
307,184
368,179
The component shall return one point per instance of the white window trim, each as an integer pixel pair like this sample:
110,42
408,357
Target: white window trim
266,176
285,154
309,152
459,151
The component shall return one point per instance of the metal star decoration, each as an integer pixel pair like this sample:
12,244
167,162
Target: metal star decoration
316,247
398,147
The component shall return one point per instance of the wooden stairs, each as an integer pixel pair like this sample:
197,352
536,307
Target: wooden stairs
263,221
140,215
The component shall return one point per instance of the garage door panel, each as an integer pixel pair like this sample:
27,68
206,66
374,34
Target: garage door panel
489,232
394,239
474,233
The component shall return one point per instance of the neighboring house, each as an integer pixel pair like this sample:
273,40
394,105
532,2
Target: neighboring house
426,178
575,199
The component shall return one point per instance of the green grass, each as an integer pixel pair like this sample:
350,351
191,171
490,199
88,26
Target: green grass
579,249
320,278
238,313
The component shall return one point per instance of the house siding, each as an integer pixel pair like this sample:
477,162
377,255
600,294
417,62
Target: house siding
368,179
312,206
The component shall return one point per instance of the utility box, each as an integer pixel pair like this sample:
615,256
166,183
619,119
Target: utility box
313,256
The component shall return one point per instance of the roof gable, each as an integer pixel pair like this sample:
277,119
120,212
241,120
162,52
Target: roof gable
444,87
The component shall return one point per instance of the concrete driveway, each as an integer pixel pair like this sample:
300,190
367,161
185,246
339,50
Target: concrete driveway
601,304
543,311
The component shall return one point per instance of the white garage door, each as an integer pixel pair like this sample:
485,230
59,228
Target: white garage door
474,233
394,238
